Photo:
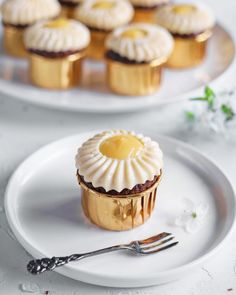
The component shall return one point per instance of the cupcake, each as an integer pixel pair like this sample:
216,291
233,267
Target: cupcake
17,15
102,17
145,10
119,172
68,7
135,55
56,49
191,26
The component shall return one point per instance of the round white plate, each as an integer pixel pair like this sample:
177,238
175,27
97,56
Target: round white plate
42,204
94,96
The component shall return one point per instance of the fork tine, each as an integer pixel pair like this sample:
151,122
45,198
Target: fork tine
154,238
158,249
154,245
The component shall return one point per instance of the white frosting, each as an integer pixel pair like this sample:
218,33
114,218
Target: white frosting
26,12
105,19
74,36
148,3
197,21
157,44
113,174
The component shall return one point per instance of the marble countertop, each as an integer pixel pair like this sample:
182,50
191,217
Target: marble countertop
25,128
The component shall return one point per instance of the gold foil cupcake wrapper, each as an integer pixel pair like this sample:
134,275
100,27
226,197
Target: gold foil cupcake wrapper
13,41
144,15
118,212
189,52
134,79
67,11
96,49
55,73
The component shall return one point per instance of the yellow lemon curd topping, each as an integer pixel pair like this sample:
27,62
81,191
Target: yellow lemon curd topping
57,23
134,33
103,5
121,147
184,8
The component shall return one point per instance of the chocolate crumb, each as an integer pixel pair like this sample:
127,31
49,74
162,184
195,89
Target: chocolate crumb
230,289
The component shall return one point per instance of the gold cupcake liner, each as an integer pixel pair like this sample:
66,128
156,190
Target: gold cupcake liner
96,49
189,52
144,15
122,212
13,41
67,11
55,73
134,79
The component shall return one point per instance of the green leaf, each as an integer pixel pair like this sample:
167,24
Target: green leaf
209,92
228,111
209,97
190,116
199,99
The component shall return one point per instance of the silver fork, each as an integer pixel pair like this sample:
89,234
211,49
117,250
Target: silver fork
148,246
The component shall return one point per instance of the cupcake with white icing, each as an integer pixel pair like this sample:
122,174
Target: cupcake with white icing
145,10
191,26
68,7
103,16
135,55
56,49
17,15
119,172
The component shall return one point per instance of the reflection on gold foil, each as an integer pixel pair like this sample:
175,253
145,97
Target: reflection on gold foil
189,52
13,41
96,49
144,15
120,212
55,73
134,79
67,11
123,212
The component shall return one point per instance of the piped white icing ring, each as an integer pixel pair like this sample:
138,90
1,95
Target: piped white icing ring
72,37
156,43
26,12
193,19
114,174
119,13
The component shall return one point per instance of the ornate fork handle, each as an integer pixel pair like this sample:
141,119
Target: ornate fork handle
151,245
39,266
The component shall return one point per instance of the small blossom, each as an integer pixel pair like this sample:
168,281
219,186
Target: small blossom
212,111
192,217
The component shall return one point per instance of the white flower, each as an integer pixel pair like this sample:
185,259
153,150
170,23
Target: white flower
193,216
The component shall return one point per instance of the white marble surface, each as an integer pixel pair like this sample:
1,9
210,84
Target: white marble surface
25,128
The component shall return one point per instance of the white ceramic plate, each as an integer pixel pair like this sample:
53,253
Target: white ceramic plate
42,204
94,96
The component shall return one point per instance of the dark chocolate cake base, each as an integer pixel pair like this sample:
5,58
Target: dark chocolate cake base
186,36
53,54
138,188
147,8
116,57
16,26
68,3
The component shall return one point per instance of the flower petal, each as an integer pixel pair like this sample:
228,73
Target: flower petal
182,220
189,205
193,225
201,210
